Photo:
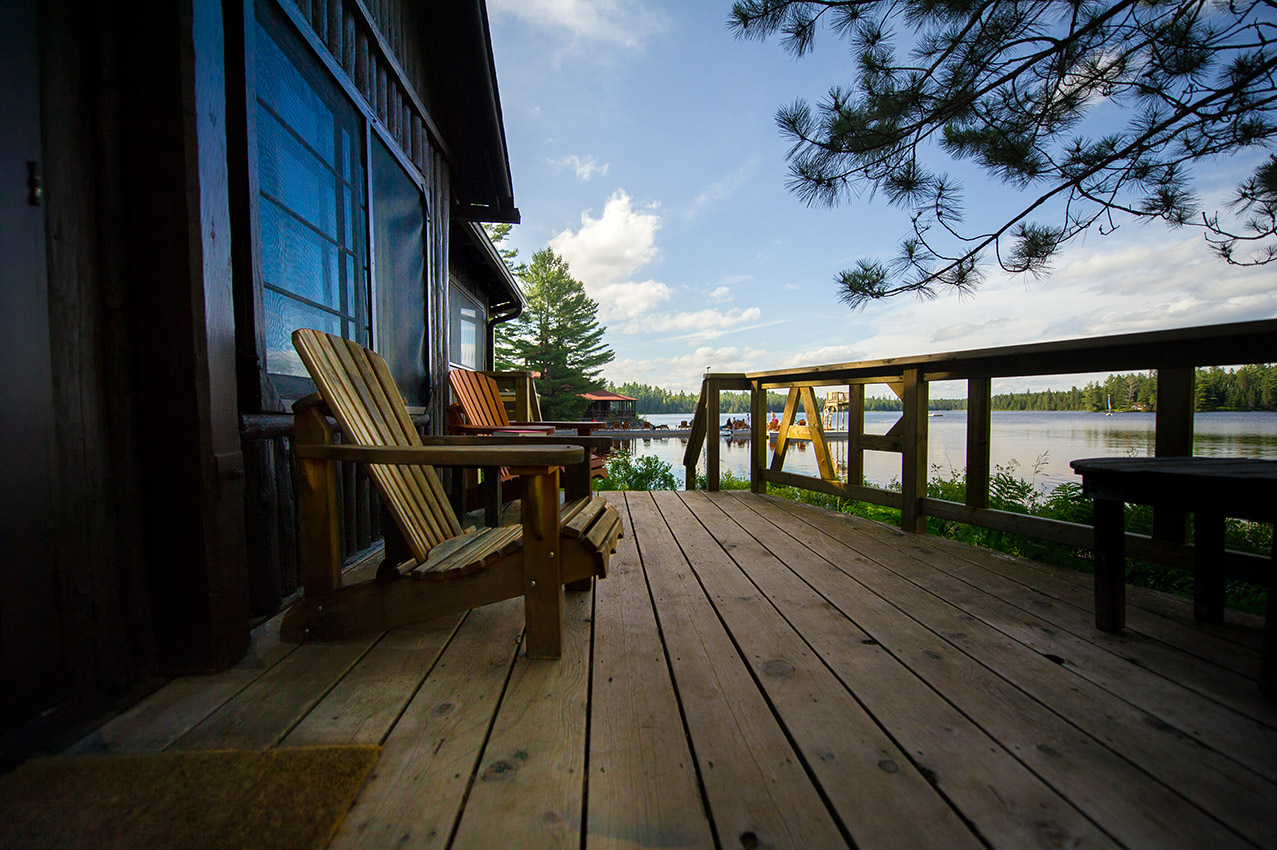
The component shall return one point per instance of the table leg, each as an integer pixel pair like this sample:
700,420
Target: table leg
1208,567
1110,565
1268,663
491,496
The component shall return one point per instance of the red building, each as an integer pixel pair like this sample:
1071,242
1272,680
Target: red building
615,410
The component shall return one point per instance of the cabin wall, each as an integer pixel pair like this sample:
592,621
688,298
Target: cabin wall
371,52
143,561
156,475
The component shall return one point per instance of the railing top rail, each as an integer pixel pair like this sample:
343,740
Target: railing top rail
1207,345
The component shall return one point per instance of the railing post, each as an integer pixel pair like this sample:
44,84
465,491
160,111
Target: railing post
757,437
713,440
979,409
855,430
692,455
1173,437
914,457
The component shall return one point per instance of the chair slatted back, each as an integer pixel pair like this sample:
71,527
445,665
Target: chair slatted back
479,397
359,390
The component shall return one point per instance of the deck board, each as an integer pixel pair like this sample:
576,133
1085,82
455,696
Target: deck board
760,673
643,786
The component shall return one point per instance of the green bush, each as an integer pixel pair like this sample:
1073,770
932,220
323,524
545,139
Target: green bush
727,480
627,472
1010,492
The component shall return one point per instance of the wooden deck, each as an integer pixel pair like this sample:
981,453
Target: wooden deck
757,673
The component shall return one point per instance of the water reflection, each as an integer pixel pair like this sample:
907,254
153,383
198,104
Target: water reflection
1038,445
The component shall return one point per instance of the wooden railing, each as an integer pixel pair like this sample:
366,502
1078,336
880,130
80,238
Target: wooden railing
1174,355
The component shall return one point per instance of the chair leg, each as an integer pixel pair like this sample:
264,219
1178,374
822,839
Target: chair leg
542,571
397,550
315,488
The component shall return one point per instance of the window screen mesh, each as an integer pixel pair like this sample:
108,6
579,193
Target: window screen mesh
312,205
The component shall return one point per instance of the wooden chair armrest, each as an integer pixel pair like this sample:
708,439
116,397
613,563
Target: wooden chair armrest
513,439
469,456
530,428
580,425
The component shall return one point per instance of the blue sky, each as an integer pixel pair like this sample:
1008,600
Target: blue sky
644,151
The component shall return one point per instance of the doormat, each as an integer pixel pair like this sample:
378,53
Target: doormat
284,799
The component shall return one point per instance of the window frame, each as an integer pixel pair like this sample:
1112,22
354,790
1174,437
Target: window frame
455,287
275,390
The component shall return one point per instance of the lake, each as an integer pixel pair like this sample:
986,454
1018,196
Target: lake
1038,444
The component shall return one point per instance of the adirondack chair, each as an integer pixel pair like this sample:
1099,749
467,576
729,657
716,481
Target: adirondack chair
445,569
479,410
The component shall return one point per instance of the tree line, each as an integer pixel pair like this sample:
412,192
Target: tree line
651,399
1245,388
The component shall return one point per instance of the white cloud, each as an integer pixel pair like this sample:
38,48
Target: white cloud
584,23
605,253
626,301
585,168
824,354
612,247
963,330
721,189
684,372
695,325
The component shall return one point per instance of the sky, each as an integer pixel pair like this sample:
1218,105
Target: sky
644,151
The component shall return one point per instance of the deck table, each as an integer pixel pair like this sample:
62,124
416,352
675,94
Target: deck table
1212,489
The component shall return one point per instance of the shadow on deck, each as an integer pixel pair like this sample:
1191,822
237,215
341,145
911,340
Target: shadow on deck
760,673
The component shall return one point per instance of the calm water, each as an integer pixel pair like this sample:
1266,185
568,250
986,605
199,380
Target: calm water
1038,444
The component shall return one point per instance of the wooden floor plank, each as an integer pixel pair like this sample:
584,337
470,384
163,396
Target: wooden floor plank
261,714
1239,627
1008,805
1211,655
860,769
759,794
734,700
365,704
156,722
529,791
413,799
643,788
1202,775
1040,624
1127,802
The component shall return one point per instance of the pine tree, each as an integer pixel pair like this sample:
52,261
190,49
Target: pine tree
557,335
499,233
1010,86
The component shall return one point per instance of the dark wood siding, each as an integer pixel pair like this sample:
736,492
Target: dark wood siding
372,52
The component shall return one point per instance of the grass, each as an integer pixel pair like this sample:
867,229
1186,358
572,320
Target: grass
1008,491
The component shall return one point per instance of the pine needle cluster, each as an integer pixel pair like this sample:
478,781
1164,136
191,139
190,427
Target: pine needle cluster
1012,86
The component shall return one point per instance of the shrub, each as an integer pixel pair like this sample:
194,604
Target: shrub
627,472
727,480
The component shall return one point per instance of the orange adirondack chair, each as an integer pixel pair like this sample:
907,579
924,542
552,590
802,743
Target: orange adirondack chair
479,410
432,567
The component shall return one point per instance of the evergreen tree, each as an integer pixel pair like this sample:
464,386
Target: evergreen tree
499,233
557,335
1010,85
